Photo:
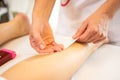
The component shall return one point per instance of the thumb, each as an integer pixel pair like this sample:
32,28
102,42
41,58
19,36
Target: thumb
42,46
80,31
41,43
37,41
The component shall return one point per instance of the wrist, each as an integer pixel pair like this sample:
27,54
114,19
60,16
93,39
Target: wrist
106,12
39,22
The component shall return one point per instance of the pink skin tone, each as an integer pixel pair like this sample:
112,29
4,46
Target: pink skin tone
94,28
43,41
41,36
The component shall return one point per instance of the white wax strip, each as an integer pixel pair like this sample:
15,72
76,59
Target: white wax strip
65,40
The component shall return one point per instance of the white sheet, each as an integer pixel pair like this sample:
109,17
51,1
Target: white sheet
102,65
24,50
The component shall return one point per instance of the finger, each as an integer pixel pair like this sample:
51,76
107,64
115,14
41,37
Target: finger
58,47
52,48
99,40
80,31
34,45
86,39
37,40
100,35
46,51
95,37
85,36
92,33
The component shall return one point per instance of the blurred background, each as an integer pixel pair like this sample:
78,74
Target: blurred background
9,8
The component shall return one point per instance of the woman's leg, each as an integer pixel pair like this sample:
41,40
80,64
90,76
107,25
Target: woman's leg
17,27
57,66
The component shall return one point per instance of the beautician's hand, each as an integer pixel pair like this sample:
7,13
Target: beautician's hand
94,29
42,40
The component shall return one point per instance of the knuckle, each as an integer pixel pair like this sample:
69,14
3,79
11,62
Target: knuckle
95,31
81,39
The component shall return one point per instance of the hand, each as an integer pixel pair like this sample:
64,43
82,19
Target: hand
42,40
94,29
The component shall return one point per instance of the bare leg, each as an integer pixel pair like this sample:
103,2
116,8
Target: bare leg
17,27
58,66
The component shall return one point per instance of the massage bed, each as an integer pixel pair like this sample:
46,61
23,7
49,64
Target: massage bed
102,64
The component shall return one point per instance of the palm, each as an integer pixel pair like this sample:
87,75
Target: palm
47,35
42,34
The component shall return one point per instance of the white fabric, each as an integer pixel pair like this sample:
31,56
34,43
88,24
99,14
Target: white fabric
65,40
75,12
97,67
103,64
114,30
23,51
100,60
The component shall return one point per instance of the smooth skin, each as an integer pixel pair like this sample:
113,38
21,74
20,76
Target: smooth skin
41,36
94,29
59,66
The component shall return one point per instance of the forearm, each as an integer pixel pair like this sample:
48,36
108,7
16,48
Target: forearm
42,10
110,7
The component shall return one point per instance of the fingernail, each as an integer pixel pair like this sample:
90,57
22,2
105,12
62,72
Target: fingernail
73,37
42,46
